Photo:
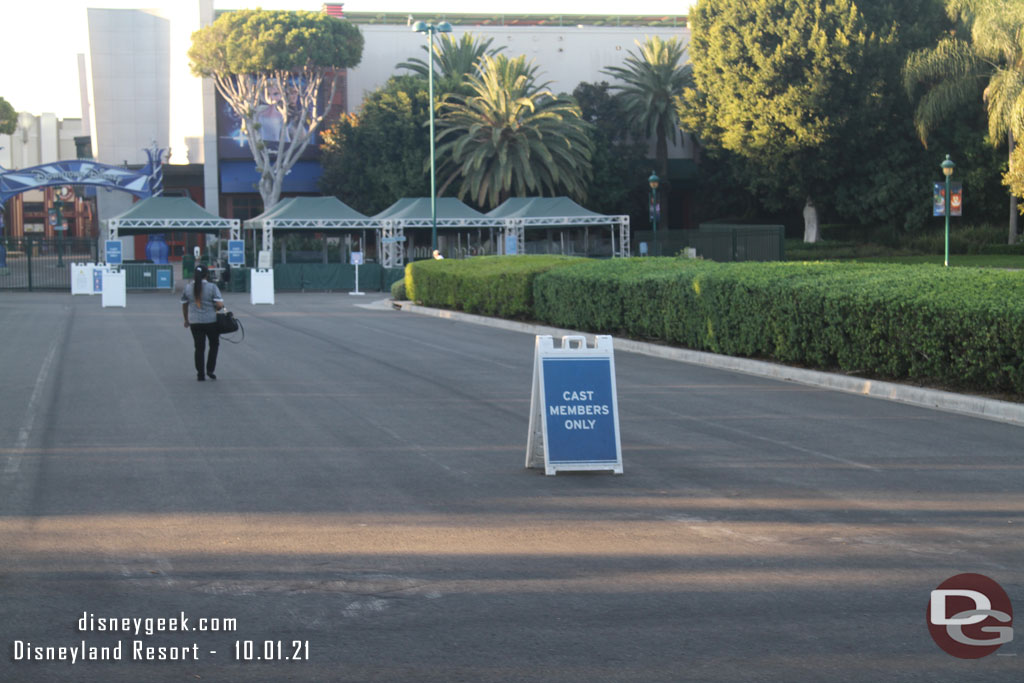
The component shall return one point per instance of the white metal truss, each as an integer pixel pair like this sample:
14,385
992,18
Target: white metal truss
513,227
211,225
311,224
392,241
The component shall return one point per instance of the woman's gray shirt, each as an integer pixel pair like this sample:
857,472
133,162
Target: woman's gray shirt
209,294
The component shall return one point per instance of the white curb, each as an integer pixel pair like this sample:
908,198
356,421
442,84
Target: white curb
964,404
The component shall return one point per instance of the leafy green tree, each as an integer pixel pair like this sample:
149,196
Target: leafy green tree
454,60
278,71
512,137
377,156
8,118
986,50
620,169
802,96
653,80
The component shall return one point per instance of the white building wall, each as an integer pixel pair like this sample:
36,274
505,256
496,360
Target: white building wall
567,55
130,64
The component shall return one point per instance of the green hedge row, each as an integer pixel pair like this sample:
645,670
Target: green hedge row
959,327
489,285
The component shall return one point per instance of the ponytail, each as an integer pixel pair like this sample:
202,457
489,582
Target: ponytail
197,286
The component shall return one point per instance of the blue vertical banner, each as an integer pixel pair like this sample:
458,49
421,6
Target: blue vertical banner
236,252
113,252
574,416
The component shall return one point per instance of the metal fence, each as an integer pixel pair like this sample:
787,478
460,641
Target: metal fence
36,263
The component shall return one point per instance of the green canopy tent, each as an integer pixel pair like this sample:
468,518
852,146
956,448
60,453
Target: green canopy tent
570,220
453,218
168,214
297,215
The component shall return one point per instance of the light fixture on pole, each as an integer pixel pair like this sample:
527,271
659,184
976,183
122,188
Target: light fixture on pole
653,182
947,170
430,30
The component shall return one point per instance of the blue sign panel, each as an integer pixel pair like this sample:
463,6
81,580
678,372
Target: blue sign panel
579,410
163,279
113,252
236,252
97,279
574,420
511,245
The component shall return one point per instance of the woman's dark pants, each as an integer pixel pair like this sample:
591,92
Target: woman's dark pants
200,333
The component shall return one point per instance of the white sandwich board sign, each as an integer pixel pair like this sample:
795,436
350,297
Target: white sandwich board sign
574,411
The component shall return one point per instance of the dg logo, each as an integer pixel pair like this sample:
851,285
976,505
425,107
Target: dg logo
970,616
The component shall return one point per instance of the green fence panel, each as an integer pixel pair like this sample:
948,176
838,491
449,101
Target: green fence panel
719,242
326,276
390,276
148,276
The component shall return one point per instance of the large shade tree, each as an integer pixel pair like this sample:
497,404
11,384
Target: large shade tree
785,86
983,55
374,157
512,137
279,71
618,156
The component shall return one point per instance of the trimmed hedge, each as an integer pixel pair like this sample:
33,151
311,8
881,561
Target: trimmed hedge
489,285
959,327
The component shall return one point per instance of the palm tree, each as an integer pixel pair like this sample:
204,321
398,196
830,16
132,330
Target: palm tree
512,137
652,82
454,60
953,70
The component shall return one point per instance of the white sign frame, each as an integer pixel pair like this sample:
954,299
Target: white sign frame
538,446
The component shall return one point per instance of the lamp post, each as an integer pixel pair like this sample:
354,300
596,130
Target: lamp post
653,182
947,170
430,30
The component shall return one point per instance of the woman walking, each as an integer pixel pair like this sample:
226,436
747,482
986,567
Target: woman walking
199,305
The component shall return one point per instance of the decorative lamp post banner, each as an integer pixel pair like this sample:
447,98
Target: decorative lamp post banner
574,413
956,199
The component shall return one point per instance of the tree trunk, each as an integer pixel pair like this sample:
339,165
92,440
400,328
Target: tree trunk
1013,202
810,222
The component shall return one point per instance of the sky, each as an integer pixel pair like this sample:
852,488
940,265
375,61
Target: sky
38,52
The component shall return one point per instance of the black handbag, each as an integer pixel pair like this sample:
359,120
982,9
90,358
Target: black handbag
227,323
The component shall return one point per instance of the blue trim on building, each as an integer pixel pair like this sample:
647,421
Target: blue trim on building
241,177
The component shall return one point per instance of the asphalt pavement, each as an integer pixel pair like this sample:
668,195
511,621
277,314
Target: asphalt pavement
348,502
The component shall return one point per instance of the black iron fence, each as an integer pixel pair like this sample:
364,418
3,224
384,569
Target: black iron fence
37,263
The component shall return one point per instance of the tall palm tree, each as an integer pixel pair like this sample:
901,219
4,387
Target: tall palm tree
454,60
652,80
512,137
952,71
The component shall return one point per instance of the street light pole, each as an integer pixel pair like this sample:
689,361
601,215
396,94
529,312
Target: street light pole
947,170
430,30
653,181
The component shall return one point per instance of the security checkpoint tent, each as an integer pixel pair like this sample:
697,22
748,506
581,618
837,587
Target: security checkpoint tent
532,213
169,214
414,213
308,214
